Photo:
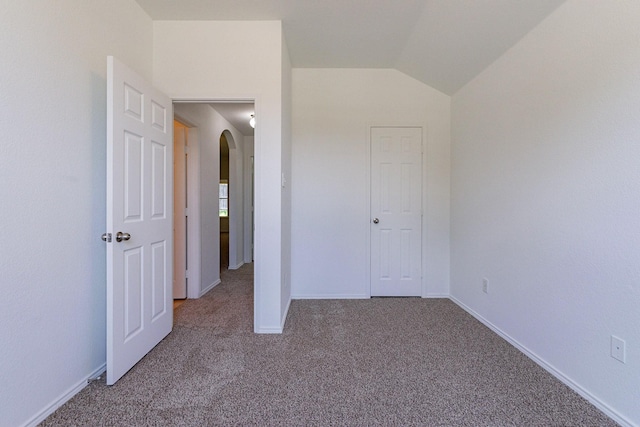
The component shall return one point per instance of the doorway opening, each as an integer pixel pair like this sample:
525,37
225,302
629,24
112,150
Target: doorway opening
224,208
218,187
180,210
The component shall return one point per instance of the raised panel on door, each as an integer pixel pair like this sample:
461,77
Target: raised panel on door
133,184
396,211
159,280
133,292
158,180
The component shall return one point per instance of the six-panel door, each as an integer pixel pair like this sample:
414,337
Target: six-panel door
139,218
396,211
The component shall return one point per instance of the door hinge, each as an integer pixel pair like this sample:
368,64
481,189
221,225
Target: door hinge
106,237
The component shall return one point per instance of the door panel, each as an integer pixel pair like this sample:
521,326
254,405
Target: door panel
396,211
158,180
132,292
159,285
139,197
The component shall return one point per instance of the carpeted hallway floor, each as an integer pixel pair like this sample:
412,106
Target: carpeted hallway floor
387,362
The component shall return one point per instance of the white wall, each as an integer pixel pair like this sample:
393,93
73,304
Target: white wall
236,201
248,201
210,125
53,189
239,59
332,112
285,297
545,197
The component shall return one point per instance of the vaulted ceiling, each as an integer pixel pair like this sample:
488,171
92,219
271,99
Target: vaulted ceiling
443,43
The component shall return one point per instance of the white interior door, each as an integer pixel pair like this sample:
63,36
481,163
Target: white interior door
180,133
139,218
396,211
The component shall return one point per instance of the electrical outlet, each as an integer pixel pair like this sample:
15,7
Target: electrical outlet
618,348
485,285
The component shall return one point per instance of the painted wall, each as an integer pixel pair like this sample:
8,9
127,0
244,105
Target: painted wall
285,209
236,201
210,125
247,65
53,189
545,197
332,112
248,198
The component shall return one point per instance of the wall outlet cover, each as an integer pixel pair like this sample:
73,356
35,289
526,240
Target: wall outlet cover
618,348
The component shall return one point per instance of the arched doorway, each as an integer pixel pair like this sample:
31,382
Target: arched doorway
224,210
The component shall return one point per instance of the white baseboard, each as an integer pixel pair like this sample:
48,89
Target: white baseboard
549,368
284,315
278,329
330,296
235,267
354,296
269,330
63,398
208,288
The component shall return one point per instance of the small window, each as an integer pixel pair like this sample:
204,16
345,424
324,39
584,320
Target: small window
223,197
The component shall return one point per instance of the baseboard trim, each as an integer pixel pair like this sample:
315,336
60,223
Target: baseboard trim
331,296
356,296
434,296
284,315
235,267
63,398
208,288
269,330
610,412
276,329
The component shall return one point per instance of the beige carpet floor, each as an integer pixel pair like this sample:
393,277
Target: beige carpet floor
377,362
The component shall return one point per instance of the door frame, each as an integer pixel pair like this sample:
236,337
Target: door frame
193,196
180,226
193,190
235,218
369,218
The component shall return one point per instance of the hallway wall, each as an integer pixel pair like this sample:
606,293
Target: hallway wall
209,126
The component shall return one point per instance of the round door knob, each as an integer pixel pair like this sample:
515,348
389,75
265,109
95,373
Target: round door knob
120,236
376,220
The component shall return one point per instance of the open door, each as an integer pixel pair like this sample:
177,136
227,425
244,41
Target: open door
139,218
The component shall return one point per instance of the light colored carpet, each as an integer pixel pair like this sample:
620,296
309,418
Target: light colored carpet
371,362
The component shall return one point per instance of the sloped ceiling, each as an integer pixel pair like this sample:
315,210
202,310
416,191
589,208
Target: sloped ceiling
443,43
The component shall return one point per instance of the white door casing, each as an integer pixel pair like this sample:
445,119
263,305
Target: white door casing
396,211
139,204
180,212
